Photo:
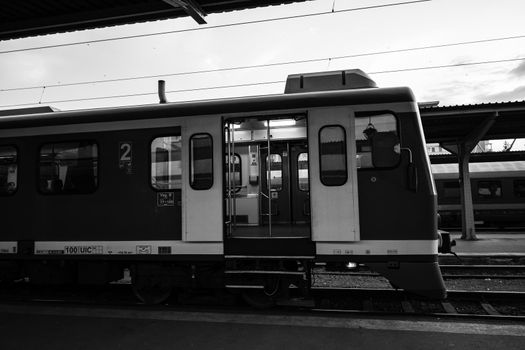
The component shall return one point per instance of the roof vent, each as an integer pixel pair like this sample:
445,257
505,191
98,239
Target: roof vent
325,81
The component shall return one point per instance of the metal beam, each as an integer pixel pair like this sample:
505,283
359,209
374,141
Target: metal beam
481,157
192,8
472,111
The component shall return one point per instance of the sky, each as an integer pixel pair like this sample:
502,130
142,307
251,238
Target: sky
435,54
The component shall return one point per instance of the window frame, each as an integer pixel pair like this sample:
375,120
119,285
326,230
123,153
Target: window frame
489,197
371,114
345,155
62,193
17,153
151,163
191,162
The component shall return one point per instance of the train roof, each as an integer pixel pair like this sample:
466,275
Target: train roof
207,107
480,170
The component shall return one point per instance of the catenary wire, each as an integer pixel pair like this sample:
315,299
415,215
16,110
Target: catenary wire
265,65
213,27
270,82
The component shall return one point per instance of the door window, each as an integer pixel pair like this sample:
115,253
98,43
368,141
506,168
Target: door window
276,172
201,156
234,167
302,172
332,149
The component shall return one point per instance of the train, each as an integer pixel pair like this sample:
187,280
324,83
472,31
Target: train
498,194
246,194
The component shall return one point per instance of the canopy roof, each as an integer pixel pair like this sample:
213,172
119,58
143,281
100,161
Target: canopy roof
19,19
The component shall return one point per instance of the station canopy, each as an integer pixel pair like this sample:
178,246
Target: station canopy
25,18
465,123
453,123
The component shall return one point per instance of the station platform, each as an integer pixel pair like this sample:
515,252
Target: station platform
490,243
65,327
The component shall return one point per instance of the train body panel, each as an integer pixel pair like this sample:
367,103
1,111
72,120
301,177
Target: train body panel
332,176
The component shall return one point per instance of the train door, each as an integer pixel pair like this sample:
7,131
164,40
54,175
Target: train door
333,177
202,185
270,197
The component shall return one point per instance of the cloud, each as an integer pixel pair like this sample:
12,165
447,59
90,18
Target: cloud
519,71
518,94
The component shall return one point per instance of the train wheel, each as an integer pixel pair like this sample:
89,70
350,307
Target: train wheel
151,289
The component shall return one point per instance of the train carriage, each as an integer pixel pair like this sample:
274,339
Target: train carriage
498,194
246,193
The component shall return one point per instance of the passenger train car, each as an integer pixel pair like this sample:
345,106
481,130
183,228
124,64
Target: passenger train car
498,194
245,193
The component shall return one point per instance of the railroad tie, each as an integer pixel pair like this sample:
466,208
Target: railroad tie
449,308
489,309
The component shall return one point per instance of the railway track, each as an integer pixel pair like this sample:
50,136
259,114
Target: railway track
483,271
451,272
369,301
459,303
383,300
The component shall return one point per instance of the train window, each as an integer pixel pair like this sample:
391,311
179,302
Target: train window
302,170
166,170
236,171
201,155
332,155
8,170
276,172
366,126
489,189
519,188
68,167
451,189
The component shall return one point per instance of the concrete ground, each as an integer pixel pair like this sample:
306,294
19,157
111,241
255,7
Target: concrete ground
62,327
495,242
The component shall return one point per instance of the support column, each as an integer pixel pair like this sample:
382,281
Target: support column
463,148
468,228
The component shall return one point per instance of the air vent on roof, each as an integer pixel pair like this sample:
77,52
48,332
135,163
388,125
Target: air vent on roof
324,81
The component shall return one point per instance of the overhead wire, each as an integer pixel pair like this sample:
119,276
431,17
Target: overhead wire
265,65
271,82
213,26
150,93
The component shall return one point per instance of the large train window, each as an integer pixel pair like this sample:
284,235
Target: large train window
519,188
366,126
302,170
332,155
166,170
8,170
489,189
68,167
234,169
201,156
